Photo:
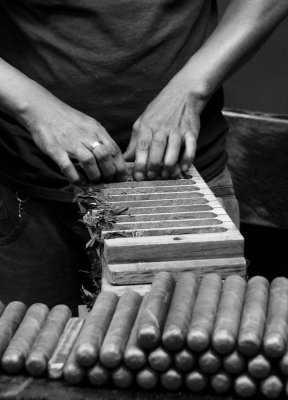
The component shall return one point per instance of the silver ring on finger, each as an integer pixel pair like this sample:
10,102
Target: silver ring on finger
95,144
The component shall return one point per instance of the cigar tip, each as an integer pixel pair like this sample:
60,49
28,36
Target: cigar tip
13,362
36,364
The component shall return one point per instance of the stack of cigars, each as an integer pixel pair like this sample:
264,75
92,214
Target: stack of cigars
191,334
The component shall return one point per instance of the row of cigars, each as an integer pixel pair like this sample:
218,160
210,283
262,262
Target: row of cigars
191,333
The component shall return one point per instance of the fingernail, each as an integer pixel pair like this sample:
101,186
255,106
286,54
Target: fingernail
139,176
151,175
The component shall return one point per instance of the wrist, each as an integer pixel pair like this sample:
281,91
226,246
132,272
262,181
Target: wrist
197,88
21,104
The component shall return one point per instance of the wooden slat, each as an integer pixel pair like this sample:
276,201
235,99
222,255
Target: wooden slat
137,187
161,248
146,184
170,216
143,233
153,196
150,189
119,274
164,216
140,225
199,199
208,206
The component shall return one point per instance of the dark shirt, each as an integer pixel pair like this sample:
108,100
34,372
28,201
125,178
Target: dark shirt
108,59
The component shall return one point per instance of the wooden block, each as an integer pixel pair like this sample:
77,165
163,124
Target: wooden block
173,225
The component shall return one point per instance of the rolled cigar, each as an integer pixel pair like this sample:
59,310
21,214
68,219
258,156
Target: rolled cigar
9,322
252,324
245,386
209,362
72,371
64,347
225,331
113,346
259,366
134,356
283,363
98,375
221,382
276,327
185,360
153,317
147,378
234,363
13,359
95,328
180,311
204,313
159,359
122,377
196,381
47,339
271,387
171,379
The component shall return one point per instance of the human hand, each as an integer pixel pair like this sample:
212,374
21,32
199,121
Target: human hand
166,133
68,136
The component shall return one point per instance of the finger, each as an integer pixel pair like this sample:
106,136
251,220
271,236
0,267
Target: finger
105,162
67,168
189,151
89,164
142,152
171,155
156,154
121,168
130,152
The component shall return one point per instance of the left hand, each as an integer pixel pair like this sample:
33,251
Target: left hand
168,129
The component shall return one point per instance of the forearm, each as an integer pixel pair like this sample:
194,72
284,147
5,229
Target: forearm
245,25
17,91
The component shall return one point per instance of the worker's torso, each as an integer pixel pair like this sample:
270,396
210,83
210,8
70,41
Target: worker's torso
107,58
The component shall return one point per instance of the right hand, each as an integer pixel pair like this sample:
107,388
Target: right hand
66,135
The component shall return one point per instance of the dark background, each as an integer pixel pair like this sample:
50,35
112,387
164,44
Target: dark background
262,84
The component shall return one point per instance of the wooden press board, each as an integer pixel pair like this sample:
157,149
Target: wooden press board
171,225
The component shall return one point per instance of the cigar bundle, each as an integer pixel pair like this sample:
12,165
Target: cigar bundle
186,334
